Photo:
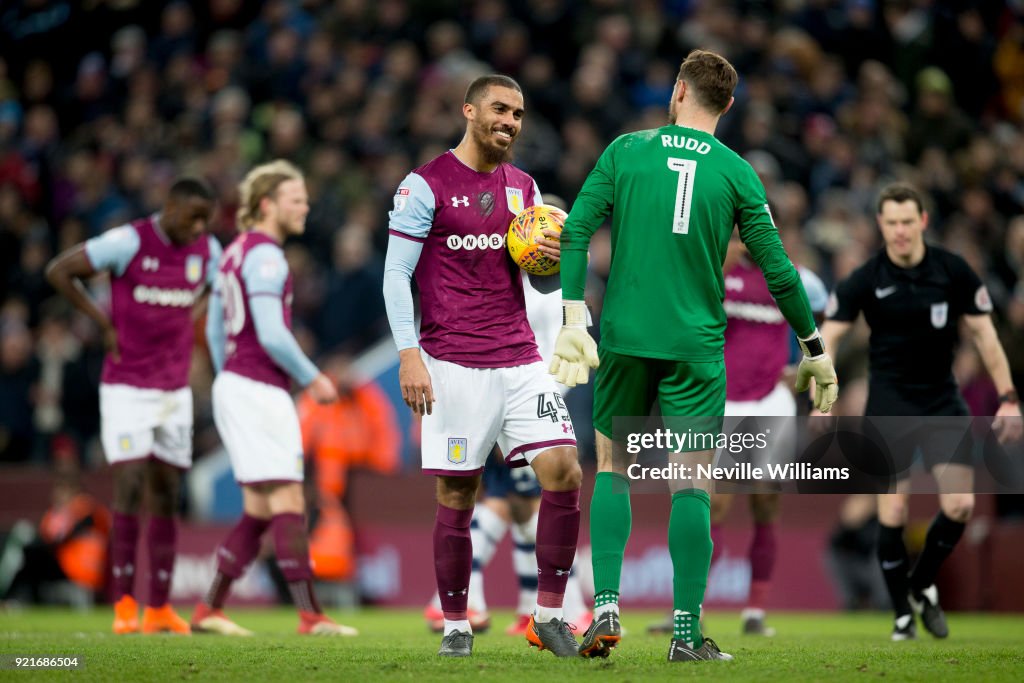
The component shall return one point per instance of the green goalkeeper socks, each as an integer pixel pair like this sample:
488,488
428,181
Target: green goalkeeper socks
610,522
689,544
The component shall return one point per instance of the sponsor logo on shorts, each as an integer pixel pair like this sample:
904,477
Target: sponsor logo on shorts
124,442
458,449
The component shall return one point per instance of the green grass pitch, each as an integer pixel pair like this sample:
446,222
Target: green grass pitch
395,646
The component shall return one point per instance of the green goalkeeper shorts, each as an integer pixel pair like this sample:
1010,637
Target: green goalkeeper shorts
627,386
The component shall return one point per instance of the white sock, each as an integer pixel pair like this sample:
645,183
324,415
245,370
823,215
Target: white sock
543,615
460,625
572,601
524,559
485,531
475,601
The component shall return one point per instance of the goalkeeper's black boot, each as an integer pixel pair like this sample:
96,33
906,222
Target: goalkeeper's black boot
926,605
604,634
679,651
554,635
456,644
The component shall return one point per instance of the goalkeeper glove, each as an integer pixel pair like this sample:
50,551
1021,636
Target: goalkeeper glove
575,349
817,364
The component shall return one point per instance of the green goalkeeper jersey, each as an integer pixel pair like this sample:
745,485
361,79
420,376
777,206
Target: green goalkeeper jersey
675,194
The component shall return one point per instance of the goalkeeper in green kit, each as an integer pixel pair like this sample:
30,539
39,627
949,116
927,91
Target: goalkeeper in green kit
674,195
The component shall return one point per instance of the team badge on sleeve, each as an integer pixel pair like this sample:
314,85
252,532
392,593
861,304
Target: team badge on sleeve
982,300
458,450
401,199
193,268
514,196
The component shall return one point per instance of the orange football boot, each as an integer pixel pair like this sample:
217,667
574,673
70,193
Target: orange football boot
126,615
314,624
164,620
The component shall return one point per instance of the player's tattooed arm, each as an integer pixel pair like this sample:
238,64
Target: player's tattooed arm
65,274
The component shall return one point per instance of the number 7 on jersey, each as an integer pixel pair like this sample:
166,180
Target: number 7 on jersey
686,168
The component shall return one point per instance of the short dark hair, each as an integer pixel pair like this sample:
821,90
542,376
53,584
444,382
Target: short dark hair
899,193
186,188
480,85
712,78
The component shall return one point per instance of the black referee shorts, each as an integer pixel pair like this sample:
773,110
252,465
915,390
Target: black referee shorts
931,425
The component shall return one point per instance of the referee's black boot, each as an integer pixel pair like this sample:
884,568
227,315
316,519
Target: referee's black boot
926,606
903,628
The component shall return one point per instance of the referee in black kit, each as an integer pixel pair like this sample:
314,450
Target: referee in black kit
912,296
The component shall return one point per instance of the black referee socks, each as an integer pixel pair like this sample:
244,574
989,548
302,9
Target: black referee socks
943,535
892,556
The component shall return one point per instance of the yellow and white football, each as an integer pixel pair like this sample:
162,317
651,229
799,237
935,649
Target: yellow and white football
523,233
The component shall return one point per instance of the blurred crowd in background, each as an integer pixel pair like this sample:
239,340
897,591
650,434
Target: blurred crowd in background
103,103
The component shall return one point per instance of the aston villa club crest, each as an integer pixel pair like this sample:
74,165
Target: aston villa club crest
194,268
514,197
458,448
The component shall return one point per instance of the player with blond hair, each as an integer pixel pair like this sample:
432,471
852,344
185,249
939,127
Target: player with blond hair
256,358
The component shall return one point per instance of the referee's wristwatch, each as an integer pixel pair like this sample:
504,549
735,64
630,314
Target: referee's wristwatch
1011,397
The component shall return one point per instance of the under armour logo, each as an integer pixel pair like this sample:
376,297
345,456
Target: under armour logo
566,428
150,263
452,594
456,202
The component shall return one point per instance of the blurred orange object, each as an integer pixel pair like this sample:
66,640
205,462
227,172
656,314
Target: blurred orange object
359,430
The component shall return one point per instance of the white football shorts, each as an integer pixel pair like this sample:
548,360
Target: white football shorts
136,423
519,408
775,415
260,429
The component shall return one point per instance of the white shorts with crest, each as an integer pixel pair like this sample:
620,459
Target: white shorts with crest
137,423
519,408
